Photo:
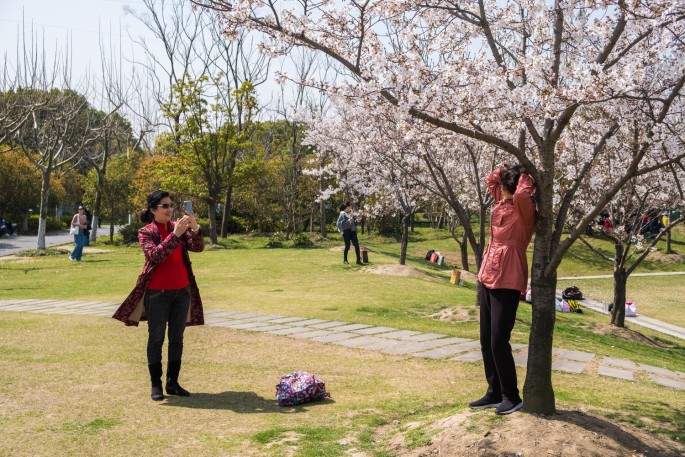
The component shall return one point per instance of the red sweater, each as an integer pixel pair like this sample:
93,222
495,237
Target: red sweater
170,273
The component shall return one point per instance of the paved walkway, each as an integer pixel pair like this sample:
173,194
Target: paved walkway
661,273
12,245
384,339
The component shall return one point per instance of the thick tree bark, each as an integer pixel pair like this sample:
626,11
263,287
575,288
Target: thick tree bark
669,249
618,313
464,247
211,212
405,238
227,211
322,223
44,196
538,391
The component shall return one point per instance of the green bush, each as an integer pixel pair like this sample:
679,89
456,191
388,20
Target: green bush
52,224
302,240
276,240
129,233
42,252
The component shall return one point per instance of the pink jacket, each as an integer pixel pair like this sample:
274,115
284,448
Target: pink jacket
505,265
156,249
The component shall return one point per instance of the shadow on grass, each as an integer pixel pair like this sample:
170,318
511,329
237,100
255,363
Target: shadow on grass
239,402
613,431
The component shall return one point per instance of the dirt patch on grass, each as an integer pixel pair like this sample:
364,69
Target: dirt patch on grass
627,334
666,258
397,270
456,314
567,433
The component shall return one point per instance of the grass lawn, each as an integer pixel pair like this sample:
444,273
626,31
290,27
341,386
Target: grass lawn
79,384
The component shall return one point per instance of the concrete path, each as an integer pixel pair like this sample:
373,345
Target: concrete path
12,245
383,339
661,273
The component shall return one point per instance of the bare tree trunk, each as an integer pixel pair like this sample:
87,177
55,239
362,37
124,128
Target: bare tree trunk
464,247
411,223
44,195
227,211
538,390
618,313
211,212
669,248
405,238
322,215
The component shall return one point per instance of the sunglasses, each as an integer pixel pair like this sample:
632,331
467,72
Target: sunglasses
165,205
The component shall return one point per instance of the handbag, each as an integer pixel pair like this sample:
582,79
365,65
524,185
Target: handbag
300,387
73,230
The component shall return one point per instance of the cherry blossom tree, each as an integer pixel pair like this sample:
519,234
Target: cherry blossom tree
516,75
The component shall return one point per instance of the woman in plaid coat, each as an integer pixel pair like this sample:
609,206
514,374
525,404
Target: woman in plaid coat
166,291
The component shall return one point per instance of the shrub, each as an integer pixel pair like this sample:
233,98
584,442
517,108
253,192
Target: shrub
276,240
302,240
129,233
51,225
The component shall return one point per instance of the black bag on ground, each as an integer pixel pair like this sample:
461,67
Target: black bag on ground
572,293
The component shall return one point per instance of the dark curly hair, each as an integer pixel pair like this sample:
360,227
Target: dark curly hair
509,177
153,200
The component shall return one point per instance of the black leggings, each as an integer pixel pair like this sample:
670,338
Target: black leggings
162,307
350,236
497,316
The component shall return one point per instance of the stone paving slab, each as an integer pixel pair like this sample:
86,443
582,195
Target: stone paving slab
250,325
312,333
360,341
668,382
577,356
246,315
14,302
289,330
382,344
329,324
409,347
375,330
474,356
349,327
312,322
215,320
334,337
425,337
268,328
620,363
660,371
605,370
521,359
271,318
400,334
517,346
568,366
446,351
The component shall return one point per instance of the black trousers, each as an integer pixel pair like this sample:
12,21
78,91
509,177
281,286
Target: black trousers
350,236
497,316
162,307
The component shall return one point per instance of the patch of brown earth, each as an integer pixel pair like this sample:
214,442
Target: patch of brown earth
397,270
658,256
567,433
456,314
627,334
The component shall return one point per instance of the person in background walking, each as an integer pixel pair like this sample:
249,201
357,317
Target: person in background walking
79,220
166,291
503,276
347,225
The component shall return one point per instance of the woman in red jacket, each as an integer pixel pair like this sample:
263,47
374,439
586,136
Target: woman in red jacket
166,291
503,276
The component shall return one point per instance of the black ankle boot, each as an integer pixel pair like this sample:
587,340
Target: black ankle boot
172,385
156,379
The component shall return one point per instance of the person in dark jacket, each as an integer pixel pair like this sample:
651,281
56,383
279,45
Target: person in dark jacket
166,291
347,225
503,276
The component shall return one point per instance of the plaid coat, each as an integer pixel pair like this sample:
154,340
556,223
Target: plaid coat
131,311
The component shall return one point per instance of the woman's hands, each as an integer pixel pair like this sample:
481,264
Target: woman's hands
186,222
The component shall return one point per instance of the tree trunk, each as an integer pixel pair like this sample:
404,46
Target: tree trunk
618,313
211,212
322,215
411,223
96,206
669,248
537,390
464,248
227,211
25,223
44,194
405,239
